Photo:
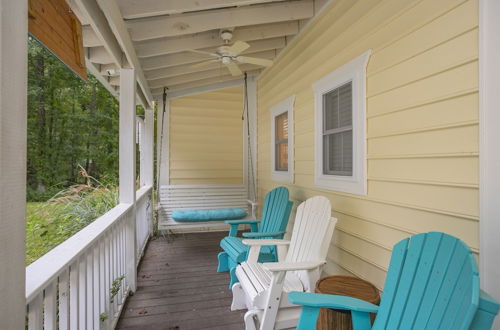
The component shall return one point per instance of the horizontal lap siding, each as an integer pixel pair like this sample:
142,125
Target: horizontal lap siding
206,143
422,123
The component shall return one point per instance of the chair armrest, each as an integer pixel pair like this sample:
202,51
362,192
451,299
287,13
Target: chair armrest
287,266
331,301
277,234
233,230
262,242
252,202
241,222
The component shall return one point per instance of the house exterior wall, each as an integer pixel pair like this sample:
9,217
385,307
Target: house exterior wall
422,123
206,138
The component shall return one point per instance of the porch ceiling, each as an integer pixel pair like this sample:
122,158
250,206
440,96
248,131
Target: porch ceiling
155,36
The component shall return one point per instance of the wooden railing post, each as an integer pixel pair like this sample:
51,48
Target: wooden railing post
127,168
13,118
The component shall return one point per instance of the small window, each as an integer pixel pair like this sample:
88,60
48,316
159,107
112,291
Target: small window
282,140
337,131
340,115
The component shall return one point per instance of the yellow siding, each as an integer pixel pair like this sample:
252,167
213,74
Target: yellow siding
206,143
422,122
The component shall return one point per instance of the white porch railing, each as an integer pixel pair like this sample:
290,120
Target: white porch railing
82,283
144,219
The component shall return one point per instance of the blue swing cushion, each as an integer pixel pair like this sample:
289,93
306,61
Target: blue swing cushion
208,215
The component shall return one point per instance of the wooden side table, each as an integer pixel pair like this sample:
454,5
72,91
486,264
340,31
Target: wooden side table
330,319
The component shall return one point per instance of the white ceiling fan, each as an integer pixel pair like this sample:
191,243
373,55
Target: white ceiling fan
230,55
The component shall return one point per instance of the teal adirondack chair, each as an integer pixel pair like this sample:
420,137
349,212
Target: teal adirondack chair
273,224
432,283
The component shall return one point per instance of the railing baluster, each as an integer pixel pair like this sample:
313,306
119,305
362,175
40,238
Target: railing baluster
102,281
107,284
123,264
96,287
114,273
35,313
82,293
90,290
64,310
50,307
74,300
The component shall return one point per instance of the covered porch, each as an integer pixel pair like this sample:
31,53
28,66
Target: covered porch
158,54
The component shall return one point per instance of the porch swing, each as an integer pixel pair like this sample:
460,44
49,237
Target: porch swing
205,206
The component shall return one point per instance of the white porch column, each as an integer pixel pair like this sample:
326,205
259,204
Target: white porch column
148,147
13,116
140,143
127,165
489,148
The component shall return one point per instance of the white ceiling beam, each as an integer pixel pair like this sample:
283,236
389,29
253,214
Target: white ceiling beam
200,75
204,88
187,68
152,63
145,8
90,38
112,13
99,55
196,84
89,10
170,26
206,39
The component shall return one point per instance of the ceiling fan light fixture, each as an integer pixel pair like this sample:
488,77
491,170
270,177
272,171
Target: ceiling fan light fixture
226,35
226,60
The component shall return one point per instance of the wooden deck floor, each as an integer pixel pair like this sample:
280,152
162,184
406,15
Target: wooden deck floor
179,288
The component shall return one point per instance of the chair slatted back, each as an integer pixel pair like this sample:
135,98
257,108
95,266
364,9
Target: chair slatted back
432,283
311,228
276,211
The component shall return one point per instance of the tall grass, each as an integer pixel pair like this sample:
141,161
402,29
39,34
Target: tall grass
52,222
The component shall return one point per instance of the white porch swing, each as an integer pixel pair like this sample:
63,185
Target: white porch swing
174,198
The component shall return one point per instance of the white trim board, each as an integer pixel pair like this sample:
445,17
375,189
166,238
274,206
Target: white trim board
354,71
489,146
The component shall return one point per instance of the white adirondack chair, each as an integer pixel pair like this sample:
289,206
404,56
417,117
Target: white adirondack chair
263,288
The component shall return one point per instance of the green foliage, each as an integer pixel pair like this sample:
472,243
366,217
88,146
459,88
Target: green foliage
103,317
70,122
115,288
50,223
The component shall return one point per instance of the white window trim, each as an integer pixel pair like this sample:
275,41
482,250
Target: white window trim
284,106
354,71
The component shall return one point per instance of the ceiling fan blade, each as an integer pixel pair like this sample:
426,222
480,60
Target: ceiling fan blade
238,47
202,52
254,60
234,69
203,64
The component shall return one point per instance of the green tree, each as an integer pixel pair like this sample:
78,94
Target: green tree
71,122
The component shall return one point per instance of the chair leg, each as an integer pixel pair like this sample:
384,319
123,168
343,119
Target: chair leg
251,320
238,297
233,277
223,263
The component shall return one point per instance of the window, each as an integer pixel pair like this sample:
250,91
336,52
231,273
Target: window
340,128
282,140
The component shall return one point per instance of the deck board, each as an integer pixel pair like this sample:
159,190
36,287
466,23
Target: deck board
178,287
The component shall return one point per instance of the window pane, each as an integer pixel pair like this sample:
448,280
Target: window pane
337,153
282,126
282,156
337,107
